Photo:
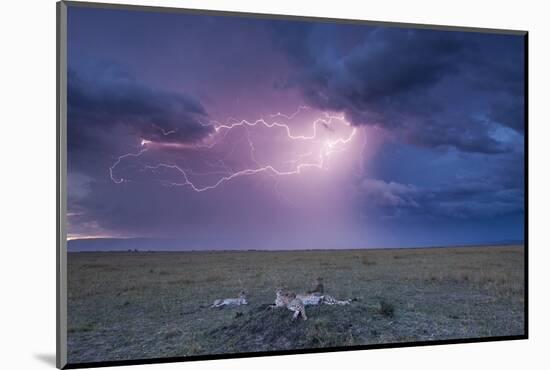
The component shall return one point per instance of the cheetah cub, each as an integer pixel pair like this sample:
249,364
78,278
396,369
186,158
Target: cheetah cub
289,300
242,300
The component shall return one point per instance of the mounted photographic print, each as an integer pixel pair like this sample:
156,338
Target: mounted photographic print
234,184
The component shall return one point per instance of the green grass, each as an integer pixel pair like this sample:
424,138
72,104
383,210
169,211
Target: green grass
145,305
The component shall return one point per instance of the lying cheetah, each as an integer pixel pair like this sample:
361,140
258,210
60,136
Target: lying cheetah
313,299
289,300
231,301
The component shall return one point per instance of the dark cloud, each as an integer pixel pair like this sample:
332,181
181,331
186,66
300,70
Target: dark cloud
468,136
104,96
429,88
389,194
509,111
471,198
389,66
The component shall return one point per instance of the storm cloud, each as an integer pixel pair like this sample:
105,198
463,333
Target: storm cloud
104,96
429,88
466,199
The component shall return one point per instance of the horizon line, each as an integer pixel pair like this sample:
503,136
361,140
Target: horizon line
136,250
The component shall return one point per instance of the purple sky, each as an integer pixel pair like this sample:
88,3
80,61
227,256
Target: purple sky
212,132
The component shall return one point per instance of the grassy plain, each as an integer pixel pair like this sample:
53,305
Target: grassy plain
147,305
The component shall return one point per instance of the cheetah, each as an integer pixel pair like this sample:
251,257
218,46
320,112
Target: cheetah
317,299
329,300
241,300
289,300
317,296
319,288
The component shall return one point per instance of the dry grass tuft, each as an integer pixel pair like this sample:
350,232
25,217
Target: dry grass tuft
385,308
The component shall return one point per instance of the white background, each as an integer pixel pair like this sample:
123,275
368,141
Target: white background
27,181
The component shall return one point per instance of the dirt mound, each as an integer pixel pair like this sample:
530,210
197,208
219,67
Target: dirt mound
263,328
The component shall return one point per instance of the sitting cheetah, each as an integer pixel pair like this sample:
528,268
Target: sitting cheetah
319,288
289,300
231,301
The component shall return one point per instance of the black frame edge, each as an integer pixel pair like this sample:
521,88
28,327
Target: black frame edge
526,184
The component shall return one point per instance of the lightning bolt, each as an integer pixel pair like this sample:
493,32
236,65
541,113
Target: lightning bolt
220,131
119,159
164,132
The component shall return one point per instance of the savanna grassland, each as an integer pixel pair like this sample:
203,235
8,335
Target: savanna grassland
146,305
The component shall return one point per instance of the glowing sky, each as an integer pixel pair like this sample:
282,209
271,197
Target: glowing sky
211,132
